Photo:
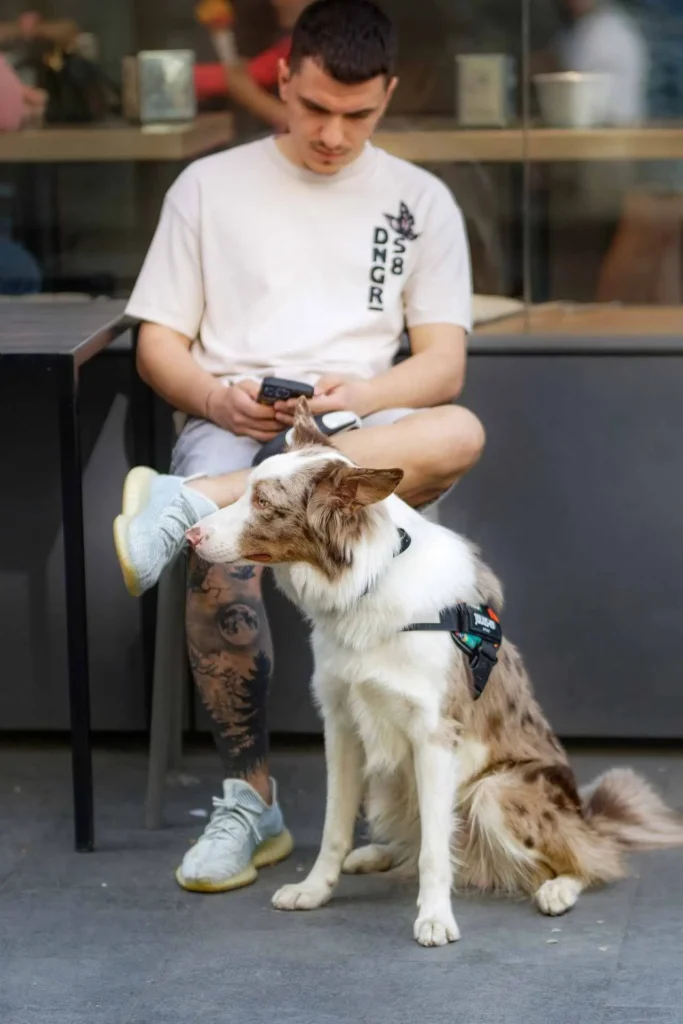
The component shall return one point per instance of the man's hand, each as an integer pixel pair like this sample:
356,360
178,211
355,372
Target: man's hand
236,409
333,393
35,104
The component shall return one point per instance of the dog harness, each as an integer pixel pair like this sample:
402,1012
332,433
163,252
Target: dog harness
476,631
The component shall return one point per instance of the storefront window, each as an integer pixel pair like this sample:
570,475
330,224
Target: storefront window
556,123
605,150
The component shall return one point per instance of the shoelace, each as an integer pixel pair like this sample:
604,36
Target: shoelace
173,524
229,820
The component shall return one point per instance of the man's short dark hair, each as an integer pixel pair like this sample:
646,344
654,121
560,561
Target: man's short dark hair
353,41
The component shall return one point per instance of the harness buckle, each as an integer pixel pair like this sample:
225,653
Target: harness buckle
482,622
482,665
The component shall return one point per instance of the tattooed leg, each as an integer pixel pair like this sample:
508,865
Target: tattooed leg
231,658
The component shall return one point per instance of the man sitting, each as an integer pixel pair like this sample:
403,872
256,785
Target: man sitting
301,256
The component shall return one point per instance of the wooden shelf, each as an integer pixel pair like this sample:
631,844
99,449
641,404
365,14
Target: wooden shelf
117,142
422,143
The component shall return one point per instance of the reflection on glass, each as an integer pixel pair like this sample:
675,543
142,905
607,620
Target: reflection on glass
602,41
606,215
602,85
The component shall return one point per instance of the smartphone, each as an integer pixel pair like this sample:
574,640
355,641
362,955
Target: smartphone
273,390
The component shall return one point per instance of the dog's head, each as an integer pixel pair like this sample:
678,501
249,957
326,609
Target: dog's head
308,505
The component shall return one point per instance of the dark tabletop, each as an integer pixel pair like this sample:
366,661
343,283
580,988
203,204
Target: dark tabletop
57,329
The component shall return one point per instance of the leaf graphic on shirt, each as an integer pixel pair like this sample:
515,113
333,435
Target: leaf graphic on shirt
403,224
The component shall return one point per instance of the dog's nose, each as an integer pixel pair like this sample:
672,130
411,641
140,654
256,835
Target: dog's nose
194,536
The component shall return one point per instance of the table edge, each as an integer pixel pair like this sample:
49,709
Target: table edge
102,338
568,344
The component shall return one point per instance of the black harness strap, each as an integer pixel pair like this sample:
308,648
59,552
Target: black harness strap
476,631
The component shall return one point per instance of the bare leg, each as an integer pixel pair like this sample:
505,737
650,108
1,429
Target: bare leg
434,447
344,787
436,777
231,657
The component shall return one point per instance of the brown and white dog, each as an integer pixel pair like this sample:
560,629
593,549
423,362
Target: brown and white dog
476,792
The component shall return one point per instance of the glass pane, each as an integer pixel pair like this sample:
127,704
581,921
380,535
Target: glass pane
81,186
604,140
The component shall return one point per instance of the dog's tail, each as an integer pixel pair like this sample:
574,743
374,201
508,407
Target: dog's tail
622,806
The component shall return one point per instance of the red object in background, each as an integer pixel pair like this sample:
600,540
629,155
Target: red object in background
11,98
210,79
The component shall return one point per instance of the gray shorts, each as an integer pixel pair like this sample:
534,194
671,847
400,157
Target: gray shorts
205,448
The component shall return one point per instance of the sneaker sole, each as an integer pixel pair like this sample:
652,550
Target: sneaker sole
269,852
135,496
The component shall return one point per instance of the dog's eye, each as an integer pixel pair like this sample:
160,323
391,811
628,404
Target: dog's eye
261,502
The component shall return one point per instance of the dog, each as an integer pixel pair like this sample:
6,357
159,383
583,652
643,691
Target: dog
465,789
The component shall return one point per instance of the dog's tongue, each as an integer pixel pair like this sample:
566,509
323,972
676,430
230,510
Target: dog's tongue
258,557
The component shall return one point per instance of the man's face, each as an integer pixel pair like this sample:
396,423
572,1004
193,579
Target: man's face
329,123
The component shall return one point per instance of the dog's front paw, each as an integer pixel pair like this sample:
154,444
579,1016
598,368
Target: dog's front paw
302,896
436,929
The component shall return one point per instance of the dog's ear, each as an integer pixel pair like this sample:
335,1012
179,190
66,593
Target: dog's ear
306,430
348,488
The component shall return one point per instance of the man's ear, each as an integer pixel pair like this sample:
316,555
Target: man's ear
283,77
348,488
391,89
306,430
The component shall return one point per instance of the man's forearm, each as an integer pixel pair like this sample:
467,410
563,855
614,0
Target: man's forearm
165,363
431,377
250,95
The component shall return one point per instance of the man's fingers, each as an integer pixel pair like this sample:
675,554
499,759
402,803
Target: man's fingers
258,435
327,382
288,407
250,428
251,387
324,403
247,408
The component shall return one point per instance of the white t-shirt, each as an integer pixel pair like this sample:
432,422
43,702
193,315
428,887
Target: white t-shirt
608,40
273,270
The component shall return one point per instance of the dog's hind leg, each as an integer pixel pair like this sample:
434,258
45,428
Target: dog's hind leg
526,832
558,895
371,859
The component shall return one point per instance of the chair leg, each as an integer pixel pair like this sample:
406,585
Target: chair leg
170,668
175,748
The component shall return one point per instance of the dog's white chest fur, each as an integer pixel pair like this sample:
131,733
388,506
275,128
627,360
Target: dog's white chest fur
389,694
389,684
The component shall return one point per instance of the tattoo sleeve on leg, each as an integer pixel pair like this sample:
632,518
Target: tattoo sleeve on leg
231,657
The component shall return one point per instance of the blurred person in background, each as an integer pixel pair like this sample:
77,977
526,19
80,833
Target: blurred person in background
19,105
600,36
30,25
249,83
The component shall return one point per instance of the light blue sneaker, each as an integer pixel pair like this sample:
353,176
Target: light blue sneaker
244,834
157,511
